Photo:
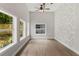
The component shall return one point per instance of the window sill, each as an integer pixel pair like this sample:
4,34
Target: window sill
22,38
6,47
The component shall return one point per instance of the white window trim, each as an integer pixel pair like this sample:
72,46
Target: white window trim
28,29
24,30
14,33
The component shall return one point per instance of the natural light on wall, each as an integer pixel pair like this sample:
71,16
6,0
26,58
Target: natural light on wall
22,29
8,33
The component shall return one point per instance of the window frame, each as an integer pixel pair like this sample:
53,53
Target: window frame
40,28
24,29
14,31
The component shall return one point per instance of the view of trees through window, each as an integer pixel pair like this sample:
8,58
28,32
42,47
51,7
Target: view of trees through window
21,28
5,29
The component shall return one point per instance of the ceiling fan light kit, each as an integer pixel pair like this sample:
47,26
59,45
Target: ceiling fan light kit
43,7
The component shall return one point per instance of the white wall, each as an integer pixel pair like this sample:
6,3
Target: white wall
20,11
67,25
44,18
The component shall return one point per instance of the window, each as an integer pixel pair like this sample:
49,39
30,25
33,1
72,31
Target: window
22,29
40,28
6,26
8,30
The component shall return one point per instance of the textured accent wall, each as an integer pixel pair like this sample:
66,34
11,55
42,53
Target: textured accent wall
67,25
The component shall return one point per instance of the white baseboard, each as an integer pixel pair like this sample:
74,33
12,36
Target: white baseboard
50,38
77,52
40,38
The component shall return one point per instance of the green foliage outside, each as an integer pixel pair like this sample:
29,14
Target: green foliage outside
5,19
5,23
21,29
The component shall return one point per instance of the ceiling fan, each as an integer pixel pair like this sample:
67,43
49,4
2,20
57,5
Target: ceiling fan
44,7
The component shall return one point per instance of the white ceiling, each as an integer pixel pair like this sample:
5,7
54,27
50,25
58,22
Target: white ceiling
17,9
